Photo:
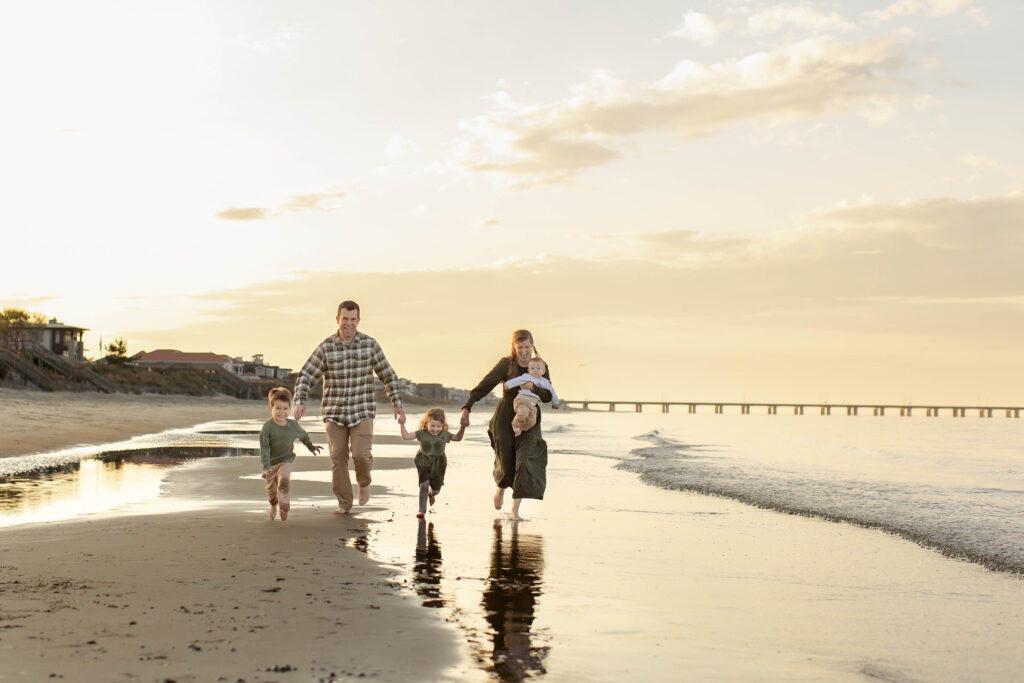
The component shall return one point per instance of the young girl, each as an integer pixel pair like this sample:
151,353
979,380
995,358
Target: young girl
431,461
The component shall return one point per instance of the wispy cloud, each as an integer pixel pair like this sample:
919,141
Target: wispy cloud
782,17
697,28
934,8
526,145
253,213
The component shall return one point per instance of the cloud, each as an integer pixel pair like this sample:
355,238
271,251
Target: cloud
870,300
316,201
541,144
489,223
934,8
782,17
313,202
397,145
698,28
248,214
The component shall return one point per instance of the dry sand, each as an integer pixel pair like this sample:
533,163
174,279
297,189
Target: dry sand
43,421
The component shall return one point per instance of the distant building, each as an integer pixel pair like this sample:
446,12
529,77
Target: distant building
172,358
256,369
55,336
431,390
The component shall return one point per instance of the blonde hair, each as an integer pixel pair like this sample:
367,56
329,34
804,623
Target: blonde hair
433,414
538,359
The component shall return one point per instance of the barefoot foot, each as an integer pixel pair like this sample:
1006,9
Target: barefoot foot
284,514
515,509
339,511
499,497
273,512
364,495
432,496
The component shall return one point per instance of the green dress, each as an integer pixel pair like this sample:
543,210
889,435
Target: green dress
431,462
519,461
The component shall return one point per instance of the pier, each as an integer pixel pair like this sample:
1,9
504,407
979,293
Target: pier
876,409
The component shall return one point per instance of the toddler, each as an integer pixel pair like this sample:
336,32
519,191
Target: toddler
431,462
525,403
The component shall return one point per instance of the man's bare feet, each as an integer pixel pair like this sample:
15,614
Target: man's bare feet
339,511
273,511
364,495
515,509
284,514
499,498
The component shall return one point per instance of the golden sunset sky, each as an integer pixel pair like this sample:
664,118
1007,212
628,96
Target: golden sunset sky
683,201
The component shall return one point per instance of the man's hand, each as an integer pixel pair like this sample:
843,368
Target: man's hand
400,415
300,410
464,421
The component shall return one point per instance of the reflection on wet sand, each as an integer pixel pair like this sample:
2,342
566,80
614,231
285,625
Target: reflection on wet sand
510,597
94,484
426,570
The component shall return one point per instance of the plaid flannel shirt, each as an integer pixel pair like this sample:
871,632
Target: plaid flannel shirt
347,370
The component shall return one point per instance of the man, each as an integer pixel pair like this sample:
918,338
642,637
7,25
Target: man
346,361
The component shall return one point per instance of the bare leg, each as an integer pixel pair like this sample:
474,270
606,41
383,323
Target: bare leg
273,510
515,508
499,497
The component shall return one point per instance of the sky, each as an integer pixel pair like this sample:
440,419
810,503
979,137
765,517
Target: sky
683,201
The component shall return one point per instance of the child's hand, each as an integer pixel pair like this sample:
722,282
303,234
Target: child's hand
317,449
264,475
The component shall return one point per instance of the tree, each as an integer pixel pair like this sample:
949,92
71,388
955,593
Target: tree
117,351
20,315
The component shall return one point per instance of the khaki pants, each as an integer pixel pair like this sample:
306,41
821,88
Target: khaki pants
526,412
279,485
341,441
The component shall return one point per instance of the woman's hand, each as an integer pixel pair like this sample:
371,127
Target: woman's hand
464,421
528,386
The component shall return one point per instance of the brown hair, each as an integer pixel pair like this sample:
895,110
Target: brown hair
517,337
279,394
348,306
434,414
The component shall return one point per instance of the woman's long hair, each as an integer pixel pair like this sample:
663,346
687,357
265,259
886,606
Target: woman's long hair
518,337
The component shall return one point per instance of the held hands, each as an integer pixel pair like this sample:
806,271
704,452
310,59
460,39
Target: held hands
300,410
464,420
400,415
316,450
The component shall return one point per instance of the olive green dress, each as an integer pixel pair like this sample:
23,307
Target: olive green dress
520,461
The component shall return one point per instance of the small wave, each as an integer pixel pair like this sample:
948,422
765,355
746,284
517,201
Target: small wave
560,429
987,520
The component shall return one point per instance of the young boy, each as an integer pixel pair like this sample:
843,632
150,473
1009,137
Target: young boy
276,450
525,402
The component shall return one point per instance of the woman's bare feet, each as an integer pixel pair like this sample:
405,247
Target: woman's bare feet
432,496
364,495
499,497
515,508
273,511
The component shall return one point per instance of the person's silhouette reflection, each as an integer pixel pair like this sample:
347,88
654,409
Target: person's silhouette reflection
426,571
510,596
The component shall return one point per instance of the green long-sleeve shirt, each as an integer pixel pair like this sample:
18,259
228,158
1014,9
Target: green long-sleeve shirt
276,442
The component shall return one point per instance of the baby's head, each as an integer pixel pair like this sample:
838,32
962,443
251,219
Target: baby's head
537,367
434,421
280,400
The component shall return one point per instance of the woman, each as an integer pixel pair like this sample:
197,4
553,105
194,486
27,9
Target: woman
519,461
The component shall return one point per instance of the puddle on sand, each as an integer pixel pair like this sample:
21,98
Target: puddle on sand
105,481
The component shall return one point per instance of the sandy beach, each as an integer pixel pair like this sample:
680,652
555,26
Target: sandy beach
606,580
42,420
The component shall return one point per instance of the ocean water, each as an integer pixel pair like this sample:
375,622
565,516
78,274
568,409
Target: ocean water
955,485
618,573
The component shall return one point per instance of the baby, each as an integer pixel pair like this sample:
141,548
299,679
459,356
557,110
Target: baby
526,402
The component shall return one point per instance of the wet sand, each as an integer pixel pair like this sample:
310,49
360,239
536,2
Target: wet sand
212,592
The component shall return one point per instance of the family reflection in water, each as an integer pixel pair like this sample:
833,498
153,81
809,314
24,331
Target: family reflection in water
511,592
